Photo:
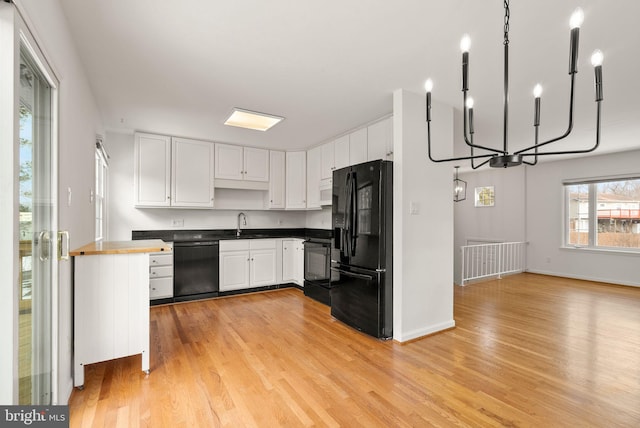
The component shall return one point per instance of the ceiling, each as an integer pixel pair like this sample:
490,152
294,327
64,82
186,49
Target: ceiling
330,66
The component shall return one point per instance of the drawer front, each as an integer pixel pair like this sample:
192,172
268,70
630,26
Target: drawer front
234,245
160,288
160,260
262,244
160,271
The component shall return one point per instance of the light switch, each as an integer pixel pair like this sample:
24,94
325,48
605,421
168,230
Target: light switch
414,208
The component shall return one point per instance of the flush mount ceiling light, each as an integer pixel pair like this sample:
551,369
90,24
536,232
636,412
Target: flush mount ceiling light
502,158
252,119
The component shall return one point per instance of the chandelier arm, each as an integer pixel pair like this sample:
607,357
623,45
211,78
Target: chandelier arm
448,159
535,161
467,140
570,152
480,165
473,165
569,127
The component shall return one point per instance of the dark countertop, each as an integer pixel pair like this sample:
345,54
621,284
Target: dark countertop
182,235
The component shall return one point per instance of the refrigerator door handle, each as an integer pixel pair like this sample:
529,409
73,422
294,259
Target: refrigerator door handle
354,213
353,274
347,217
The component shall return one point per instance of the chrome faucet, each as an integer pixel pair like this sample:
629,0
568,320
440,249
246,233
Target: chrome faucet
244,223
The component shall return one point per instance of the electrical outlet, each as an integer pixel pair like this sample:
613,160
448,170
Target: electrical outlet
177,222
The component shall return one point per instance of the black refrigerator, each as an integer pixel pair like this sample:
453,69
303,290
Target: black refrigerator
362,219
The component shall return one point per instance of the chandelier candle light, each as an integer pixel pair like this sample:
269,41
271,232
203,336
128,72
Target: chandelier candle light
502,158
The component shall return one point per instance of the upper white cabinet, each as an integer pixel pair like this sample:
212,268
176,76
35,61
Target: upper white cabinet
191,173
152,170
296,174
241,163
173,172
256,164
314,161
380,140
358,146
276,179
335,155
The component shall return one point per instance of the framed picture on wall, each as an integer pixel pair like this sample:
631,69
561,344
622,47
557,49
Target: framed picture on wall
484,196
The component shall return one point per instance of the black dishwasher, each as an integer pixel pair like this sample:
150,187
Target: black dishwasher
195,270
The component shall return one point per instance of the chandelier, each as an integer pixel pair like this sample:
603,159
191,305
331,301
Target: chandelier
502,158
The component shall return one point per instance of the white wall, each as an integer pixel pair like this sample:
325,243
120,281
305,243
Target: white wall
529,206
422,242
124,217
545,217
318,219
79,122
502,222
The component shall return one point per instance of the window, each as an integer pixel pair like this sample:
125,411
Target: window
603,213
485,196
102,178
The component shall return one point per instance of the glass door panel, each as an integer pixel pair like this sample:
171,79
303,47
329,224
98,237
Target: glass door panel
37,233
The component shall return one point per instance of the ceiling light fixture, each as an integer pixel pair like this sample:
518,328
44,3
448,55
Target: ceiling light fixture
459,188
502,158
252,119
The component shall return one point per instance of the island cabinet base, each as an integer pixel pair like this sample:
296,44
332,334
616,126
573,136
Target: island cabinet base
111,309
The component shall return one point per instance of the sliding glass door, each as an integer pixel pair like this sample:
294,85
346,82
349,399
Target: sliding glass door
37,207
28,216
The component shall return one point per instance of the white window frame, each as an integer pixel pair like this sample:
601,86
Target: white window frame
101,198
592,184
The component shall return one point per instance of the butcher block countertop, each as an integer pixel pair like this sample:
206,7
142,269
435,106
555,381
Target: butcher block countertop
121,247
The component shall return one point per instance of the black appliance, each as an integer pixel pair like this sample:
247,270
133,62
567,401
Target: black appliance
362,219
317,269
195,270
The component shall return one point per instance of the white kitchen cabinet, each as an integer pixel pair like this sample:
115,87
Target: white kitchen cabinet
247,263
192,173
293,261
380,140
234,269
152,170
276,180
314,160
161,274
296,178
229,162
263,267
358,146
173,172
111,295
241,163
256,164
335,155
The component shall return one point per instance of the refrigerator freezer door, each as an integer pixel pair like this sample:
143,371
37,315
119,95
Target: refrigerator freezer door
358,300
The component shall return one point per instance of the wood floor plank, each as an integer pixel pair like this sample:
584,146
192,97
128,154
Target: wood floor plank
527,350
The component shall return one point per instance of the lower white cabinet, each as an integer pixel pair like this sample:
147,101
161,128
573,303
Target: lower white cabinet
293,261
161,275
247,263
111,311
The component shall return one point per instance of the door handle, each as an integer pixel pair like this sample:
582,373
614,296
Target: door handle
44,243
63,245
353,274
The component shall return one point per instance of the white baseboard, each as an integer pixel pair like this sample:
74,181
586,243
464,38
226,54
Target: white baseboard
585,278
424,331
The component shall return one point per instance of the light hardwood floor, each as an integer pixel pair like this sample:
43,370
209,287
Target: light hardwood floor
527,351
